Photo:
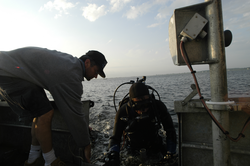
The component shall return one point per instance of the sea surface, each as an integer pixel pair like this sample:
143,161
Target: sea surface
170,87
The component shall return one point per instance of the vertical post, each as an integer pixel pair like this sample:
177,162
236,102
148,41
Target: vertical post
218,82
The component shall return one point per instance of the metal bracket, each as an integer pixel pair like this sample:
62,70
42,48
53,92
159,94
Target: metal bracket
235,106
191,95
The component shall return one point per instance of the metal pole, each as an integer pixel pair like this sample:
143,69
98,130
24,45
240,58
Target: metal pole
218,82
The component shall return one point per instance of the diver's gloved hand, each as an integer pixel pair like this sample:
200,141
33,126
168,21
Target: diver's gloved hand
169,156
171,146
170,159
112,159
169,151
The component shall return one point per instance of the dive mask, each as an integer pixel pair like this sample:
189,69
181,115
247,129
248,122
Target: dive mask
140,105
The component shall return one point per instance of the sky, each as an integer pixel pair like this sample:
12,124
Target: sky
132,34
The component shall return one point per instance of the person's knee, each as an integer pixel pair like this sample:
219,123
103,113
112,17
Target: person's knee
45,119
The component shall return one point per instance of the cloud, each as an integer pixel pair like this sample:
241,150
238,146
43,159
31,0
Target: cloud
62,6
163,13
167,7
153,25
117,5
92,12
109,41
136,53
236,14
161,1
134,12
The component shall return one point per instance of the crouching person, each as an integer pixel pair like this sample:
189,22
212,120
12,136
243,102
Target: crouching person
26,72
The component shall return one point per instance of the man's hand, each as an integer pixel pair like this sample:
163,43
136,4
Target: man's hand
87,152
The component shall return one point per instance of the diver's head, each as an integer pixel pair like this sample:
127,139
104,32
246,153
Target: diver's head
139,97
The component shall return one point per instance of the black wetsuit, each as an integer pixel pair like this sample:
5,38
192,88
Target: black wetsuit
143,131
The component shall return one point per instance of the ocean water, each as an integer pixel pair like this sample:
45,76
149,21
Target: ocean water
170,87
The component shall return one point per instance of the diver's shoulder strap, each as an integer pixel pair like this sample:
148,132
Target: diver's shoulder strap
156,110
130,112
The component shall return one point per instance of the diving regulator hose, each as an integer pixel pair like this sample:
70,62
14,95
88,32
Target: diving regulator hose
186,59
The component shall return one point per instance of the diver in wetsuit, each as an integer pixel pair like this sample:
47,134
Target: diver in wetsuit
139,119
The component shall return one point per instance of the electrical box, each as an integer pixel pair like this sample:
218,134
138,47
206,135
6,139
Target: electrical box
194,27
190,22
